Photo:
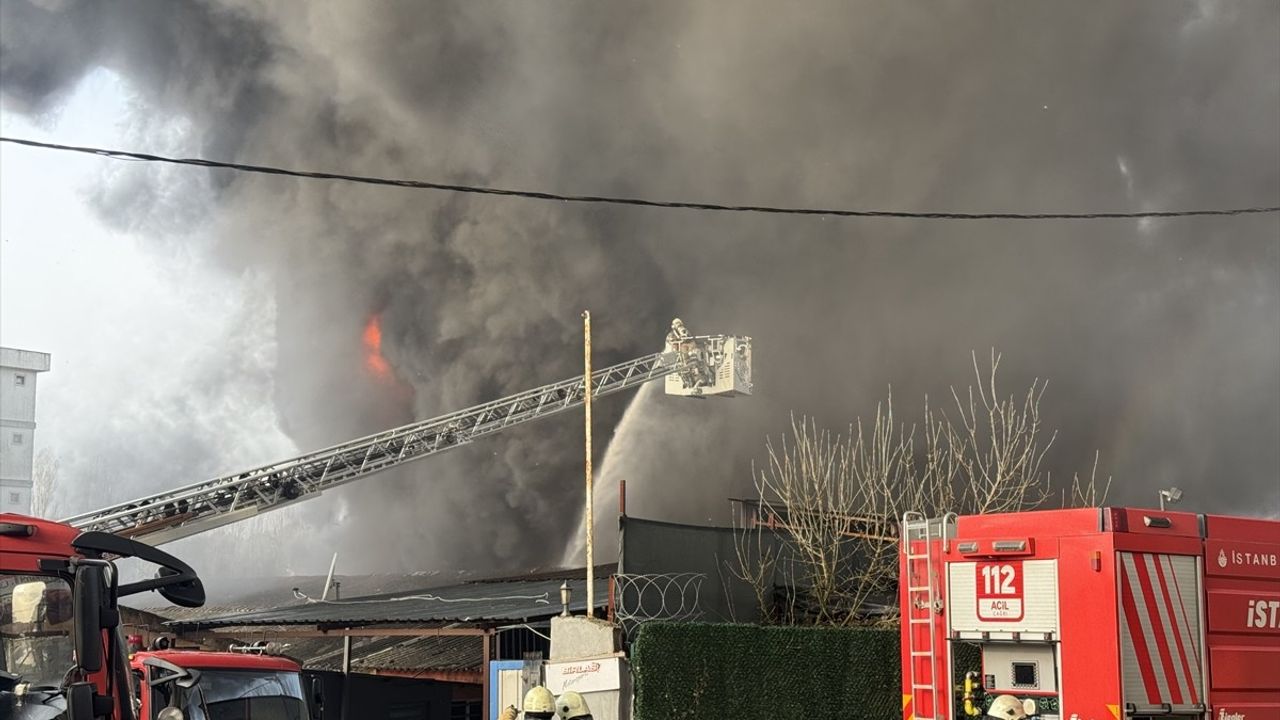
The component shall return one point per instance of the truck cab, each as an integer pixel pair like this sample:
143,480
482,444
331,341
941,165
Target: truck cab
62,653
217,686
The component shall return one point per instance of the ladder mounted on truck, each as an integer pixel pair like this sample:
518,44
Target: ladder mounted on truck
923,614
704,365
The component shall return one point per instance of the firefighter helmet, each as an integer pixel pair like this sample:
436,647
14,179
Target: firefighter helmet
1007,707
572,705
539,700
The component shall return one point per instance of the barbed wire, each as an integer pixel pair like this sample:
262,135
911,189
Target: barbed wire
640,598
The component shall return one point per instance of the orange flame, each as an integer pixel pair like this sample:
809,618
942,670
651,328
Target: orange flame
373,358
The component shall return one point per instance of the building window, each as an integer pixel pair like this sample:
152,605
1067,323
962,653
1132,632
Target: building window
17,438
19,380
14,498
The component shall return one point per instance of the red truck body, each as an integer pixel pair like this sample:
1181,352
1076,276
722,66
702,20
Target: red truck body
57,604
21,555
1094,614
229,665
206,660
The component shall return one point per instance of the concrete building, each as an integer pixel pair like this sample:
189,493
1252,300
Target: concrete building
18,369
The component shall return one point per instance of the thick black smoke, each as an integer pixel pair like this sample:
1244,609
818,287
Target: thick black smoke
1161,340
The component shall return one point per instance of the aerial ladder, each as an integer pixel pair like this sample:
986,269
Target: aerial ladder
692,366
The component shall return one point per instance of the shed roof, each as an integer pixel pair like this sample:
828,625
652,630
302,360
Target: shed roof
252,594
389,653
485,603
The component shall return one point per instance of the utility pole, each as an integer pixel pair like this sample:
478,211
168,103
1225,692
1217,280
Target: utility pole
589,515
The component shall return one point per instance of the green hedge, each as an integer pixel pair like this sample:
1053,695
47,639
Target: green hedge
748,672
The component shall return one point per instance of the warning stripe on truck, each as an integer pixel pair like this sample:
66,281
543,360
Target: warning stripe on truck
1161,654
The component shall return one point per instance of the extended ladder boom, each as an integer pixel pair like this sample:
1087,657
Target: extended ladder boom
176,514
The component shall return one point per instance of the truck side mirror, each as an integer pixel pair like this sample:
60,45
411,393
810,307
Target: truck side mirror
191,680
88,618
175,581
182,677
188,592
80,701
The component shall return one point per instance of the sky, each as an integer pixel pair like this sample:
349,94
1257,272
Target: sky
202,322
120,319
124,323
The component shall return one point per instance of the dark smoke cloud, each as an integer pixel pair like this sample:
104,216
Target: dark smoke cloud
1161,339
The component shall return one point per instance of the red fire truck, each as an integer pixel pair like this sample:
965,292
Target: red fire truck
1091,614
62,654
218,685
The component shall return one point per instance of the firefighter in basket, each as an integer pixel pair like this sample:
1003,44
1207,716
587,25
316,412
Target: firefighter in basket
677,336
1008,707
572,706
679,341
539,704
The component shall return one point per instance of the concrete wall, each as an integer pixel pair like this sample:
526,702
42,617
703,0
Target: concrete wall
586,657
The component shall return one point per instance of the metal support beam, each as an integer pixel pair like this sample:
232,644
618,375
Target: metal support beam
588,519
485,655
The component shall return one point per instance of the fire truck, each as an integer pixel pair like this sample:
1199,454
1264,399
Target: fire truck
62,654
219,685
1091,614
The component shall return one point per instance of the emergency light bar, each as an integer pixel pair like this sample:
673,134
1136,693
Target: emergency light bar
998,548
259,648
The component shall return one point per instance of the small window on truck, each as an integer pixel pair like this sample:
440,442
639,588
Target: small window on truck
1025,675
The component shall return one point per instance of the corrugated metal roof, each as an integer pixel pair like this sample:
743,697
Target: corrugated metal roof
174,614
265,593
398,653
475,603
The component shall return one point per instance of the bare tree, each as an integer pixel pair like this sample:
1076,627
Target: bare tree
835,498
820,492
755,562
999,447
1087,493
44,474
811,478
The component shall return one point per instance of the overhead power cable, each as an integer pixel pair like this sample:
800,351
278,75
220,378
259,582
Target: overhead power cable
633,201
